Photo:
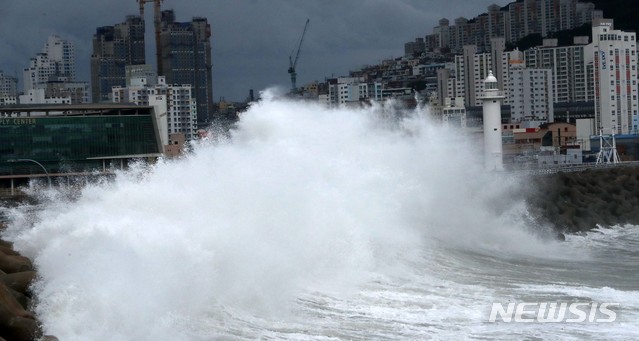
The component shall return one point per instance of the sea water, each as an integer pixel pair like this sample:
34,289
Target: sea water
309,223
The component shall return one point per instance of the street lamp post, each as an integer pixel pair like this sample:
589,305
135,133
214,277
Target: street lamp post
37,163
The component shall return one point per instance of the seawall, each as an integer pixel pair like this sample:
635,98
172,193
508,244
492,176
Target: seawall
579,201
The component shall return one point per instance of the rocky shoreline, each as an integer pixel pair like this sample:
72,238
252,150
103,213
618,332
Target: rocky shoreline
578,202
16,276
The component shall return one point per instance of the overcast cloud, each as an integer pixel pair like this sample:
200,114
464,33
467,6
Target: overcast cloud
252,39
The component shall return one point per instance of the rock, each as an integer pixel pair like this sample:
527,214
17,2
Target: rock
18,281
9,306
23,299
16,323
8,251
12,264
16,276
20,329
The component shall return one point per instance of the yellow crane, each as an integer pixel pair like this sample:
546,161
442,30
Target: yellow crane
293,62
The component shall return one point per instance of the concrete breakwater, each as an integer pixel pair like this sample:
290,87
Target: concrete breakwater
579,201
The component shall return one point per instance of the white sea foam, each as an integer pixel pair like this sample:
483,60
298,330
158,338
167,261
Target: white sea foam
302,201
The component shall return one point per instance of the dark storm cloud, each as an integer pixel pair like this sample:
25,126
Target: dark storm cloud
252,39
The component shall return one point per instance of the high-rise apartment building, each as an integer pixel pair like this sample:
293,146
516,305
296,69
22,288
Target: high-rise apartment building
497,48
497,19
39,72
567,14
459,34
530,95
571,67
56,62
585,12
442,33
8,85
615,73
445,83
115,47
50,77
62,57
186,59
513,22
181,107
470,71
510,60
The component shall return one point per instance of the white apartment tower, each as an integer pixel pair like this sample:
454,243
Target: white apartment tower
181,106
615,79
446,83
530,96
567,14
510,60
50,77
442,33
571,67
62,56
470,71
497,48
38,72
350,90
56,62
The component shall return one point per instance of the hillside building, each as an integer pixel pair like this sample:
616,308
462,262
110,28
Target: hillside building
615,73
512,22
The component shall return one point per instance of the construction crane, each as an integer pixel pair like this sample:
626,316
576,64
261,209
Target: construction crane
293,62
157,22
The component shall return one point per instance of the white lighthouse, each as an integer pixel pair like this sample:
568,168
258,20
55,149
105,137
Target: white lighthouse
493,149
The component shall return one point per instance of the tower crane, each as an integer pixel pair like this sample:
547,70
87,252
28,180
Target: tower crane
293,62
157,22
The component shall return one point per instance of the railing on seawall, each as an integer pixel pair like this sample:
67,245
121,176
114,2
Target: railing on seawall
573,168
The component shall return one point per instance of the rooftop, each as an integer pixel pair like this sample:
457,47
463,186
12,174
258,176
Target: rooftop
79,109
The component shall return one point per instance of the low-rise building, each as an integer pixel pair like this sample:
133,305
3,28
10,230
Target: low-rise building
74,139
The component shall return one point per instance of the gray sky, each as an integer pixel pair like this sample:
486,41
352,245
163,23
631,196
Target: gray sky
252,39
